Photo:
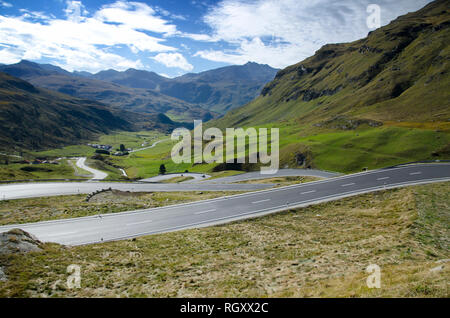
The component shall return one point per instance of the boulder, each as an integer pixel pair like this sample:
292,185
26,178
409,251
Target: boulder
18,241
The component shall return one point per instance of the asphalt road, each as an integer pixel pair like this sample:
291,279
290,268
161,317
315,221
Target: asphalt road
149,147
97,174
196,176
125,225
256,175
46,189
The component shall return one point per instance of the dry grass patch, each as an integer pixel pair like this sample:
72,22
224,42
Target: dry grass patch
320,250
63,207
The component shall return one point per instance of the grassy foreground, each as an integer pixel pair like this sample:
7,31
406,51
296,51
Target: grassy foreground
321,250
64,170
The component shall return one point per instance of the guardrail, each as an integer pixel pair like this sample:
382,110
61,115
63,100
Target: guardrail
69,180
417,162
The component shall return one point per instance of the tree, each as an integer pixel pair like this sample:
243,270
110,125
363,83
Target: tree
101,151
162,169
122,147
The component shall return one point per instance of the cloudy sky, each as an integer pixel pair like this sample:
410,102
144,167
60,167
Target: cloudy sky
173,37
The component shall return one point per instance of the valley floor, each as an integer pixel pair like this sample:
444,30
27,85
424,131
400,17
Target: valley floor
317,251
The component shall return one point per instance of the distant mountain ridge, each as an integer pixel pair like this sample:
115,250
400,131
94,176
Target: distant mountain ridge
131,78
122,97
202,95
218,90
221,89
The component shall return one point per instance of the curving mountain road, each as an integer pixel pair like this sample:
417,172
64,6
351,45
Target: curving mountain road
46,189
149,147
255,175
125,225
196,176
97,174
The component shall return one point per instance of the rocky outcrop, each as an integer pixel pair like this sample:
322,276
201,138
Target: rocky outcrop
18,241
345,123
3,277
310,94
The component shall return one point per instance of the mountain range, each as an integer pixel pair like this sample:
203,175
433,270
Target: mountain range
44,106
35,118
374,102
192,96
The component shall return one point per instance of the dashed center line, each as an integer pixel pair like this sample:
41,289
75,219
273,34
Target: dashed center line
201,212
312,191
413,173
347,185
136,223
260,201
383,178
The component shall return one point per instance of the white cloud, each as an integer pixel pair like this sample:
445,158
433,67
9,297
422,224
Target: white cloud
5,4
83,43
135,15
8,57
283,32
255,50
75,11
26,14
174,60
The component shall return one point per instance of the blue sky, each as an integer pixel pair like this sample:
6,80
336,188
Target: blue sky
174,37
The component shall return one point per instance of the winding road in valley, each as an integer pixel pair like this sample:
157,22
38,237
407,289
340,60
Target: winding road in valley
149,147
100,175
97,174
117,226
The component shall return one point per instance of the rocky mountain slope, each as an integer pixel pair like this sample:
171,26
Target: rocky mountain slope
222,89
397,73
375,102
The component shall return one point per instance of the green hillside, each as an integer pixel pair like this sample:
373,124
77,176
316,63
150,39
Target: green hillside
381,100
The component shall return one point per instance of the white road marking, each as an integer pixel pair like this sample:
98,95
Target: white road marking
212,210
61,233
347,185
260,201
136,223
413,173
384,178
312,191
